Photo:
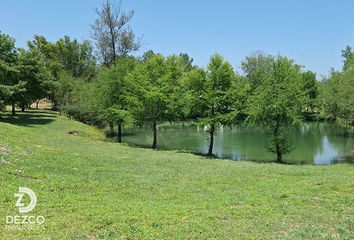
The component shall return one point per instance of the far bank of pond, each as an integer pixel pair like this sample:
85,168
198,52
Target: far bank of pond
315,142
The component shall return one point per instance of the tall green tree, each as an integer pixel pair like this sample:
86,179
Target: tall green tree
158,90
36,76
112,35
10,84
114,92
276,104
8,57
214,95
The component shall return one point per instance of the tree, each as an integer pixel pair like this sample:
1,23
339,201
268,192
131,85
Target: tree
146,56
186,61
158,90
64,58
339,103
252,63
63,90
7,66
84,106
114,92
36,76
337,90
310,89
276,104
77,58
112,34
348,55
214,95
49,52
10,85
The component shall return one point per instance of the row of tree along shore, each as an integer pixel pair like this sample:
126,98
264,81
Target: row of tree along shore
99,80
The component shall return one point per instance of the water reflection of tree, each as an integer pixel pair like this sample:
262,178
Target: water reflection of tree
180,136
253,141
341,139
245,142
308,139
347,159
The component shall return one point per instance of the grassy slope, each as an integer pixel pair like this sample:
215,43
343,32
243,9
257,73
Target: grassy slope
90,189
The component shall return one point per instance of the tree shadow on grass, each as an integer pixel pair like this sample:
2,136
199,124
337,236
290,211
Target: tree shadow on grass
29,118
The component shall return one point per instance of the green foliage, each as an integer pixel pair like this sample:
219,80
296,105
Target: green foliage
251,65
34,73
10,83
49,51
348,55
339,105
158,89
85,105
115,93
337,89
63,89
146,56
67,61
214,95
310,91
77,58
277,102
186,61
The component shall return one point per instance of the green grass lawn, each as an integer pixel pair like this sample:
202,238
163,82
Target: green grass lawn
87,188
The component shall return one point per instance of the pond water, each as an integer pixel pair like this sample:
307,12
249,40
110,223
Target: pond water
315,143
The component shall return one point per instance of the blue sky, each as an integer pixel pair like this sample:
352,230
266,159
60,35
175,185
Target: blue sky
311,32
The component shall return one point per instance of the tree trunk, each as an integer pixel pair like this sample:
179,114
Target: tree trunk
279,157
279,153
13,109
119,139
277,143
37,102
23,108
111,127
212,130
155,138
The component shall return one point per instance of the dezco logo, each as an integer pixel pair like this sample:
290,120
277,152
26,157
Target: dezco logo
25,222
33,197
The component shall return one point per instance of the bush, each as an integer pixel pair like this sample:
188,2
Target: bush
81,114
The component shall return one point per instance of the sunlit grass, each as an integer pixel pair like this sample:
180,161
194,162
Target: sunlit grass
91,189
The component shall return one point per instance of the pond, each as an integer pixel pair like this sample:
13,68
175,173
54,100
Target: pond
315,142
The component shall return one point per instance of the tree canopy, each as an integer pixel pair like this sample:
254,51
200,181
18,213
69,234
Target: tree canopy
276,104
214,95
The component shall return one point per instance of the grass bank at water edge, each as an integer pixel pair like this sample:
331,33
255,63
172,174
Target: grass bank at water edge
87,188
